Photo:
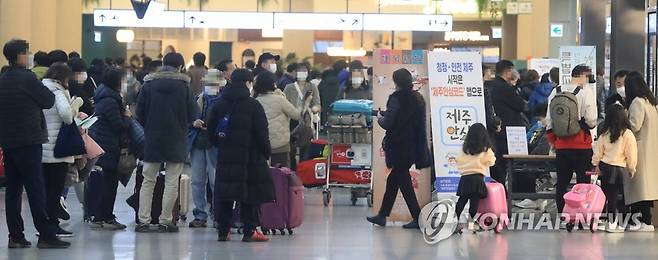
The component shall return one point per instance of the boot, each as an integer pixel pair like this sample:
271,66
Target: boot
377,220
411,225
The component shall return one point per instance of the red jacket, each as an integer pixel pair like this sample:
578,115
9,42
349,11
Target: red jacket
580,141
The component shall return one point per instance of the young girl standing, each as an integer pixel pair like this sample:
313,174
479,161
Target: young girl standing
473,163
615,155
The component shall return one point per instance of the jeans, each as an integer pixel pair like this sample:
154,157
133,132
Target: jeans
203,171
150,173
54,174
570,161
105,210
399,179
23,169
248,216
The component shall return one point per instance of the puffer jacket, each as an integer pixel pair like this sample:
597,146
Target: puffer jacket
540,95
111,125
279,112
60,113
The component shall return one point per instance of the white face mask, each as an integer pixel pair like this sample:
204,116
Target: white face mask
81,77
622,92
356,81
222,82
302,75
212,90
272,68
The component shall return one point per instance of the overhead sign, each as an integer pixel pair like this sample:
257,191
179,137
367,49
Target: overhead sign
496,32
557,30
465,36
128,18
318,21
525,7
229,20
407,22
512,8
456,102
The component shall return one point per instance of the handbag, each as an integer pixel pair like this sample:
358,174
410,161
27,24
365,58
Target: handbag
69,142
126,166
93,149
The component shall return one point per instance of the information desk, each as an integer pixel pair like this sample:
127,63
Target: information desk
526,164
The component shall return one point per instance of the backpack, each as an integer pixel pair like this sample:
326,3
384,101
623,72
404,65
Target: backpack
564,113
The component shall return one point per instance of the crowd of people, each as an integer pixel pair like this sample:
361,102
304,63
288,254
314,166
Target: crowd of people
244,119
231,124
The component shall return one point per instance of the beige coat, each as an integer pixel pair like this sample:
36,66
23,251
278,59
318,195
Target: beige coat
279,112
644,123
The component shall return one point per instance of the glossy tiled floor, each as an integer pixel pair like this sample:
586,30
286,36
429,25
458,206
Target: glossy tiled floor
337,232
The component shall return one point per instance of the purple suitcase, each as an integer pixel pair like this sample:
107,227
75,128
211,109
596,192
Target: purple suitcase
287,211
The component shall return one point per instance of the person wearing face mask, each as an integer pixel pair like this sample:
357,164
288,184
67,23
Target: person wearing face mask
81,85
617,92
306,98
356,87
226,67
574,153
288,77
266,62
510,107
203,155
243,174
166,109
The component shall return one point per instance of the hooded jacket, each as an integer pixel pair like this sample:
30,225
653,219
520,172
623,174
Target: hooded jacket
540,95
279,112
243,173
111,125
166,109
22,99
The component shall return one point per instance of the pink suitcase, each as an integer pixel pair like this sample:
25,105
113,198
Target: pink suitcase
583,204
287,212
494,208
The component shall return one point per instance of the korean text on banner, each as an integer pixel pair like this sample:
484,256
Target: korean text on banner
457,102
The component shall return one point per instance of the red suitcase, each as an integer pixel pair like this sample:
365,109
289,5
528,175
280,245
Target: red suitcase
287,212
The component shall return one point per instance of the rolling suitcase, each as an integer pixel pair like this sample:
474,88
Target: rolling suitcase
92,194
156,204
493,208
583,204
345,106
287,212
184,195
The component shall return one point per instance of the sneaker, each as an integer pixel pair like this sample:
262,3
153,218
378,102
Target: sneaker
224,238
96,224
142,228
377,220
527,204
411,225
541,205
167,228
257,236
63,211
602,225
19,243
60,232
52,243
460,228
642,228
613,227
474,226
113,225
197,223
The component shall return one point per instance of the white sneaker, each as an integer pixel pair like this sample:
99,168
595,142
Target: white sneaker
563,225
603,225
541,205
646,228
613,227
527,204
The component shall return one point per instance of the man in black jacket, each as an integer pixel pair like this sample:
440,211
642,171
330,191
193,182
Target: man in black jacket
166,109
22,132
509,106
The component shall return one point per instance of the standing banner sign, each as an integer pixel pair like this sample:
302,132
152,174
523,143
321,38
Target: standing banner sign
385,63
457,102
543,66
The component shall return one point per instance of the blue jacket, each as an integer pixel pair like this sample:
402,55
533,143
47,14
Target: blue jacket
111,125
540,95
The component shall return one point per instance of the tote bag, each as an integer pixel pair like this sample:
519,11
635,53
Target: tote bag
69,142
93,149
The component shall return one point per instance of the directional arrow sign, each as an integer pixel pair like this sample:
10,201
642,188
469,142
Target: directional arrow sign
128,18
407,22
318,21
228,20
557,30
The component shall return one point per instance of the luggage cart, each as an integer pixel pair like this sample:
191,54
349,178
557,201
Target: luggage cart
350,148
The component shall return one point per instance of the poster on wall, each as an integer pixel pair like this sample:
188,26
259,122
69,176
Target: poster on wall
385,63
457,102
543,66
572,56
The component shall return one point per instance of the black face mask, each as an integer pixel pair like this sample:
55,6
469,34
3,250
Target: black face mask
591,79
